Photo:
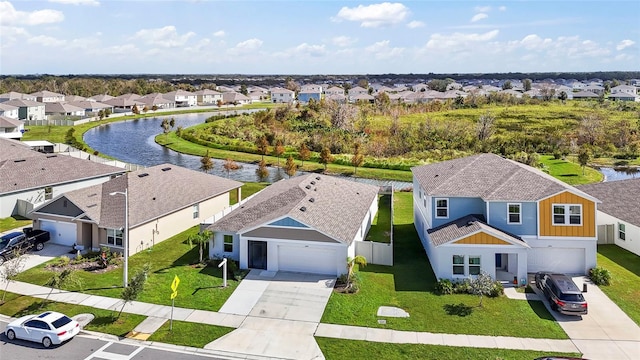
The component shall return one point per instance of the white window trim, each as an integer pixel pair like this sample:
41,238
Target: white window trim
196,211
567,214
464,267
519,214
115,242
436,208
469,265
224,243
623,232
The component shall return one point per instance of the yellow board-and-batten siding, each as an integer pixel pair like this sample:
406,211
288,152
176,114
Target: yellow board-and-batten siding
482,238
547,228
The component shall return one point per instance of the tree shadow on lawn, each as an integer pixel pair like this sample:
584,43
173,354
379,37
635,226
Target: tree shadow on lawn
622,257
539,309
411,269
188,258
458,309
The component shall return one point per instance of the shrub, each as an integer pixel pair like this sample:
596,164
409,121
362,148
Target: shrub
63,261
462,287
600,276
497,290
444,287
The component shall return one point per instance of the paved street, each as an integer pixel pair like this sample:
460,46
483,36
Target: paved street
90,347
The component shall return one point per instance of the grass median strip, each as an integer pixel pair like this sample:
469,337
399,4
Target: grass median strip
189,334
625,278
354,349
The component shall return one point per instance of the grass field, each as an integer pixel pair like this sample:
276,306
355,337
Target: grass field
13,223
625,278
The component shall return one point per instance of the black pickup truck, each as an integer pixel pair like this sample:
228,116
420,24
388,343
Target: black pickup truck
17,243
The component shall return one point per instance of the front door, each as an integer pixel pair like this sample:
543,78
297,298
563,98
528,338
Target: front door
258,255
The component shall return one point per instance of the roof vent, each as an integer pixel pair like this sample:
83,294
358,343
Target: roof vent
308,187
166,169
469,223
142,175
92,205
51,156
312,200
313,183
303,209
317,177
92,195
19,160
436,175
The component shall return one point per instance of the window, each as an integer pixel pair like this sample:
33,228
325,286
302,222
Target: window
513,214
228,243
196,211
458,264
442,208
567,214
474,265
622,234
48,193
114,237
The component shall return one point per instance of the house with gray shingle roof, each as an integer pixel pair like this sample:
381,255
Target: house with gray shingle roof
11,128
29,178
28,109
618,216
308,223
163,200
485,212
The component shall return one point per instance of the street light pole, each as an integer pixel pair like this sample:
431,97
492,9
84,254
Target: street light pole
125,277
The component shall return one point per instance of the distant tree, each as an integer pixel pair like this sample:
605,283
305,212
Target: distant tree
304,153
206,164
172,122
325,157
481,285
135,110
507,85
290,167
263,146
165,126
136,286
485,126
357,158
278,150
438,85
583,158
562,96
145,109
243,90
363,83
526,84
100,114
154,108
107,112
262,170
230,165
219,103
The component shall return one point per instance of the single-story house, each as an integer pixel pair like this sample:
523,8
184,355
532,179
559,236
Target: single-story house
618,216
62,109
29,178
308,223
163,201
235,98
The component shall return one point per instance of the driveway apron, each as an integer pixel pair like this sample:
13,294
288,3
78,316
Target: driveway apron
606,332
283,310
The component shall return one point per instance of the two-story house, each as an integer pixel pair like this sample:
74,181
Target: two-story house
182,98
282,96
308,92
485,212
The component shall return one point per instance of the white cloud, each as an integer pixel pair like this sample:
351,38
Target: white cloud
10,34
9,15
624,44
456,40
478,17
310,50
219,33
415,24
246,47
382,51
77,2
343,41
164,37
482,9
502,8
375,15
535,42
46,41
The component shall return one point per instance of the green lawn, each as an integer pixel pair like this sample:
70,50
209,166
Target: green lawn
381,225
189,334
570,172
246,190
200,288
105,321
625,278
353,349
409,284
13,222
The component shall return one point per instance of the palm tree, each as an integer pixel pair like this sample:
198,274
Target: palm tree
359,260
200,239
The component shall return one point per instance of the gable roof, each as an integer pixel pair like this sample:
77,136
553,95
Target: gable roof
23,103
468,225
58,107
330,205
619,198
19,174
13,149
152,193
490,177
9,123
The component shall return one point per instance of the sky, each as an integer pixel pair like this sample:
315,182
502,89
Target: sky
317,37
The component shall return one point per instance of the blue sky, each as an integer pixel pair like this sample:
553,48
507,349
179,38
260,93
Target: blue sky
317,37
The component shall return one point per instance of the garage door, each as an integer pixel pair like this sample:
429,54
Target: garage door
562,260
62,233
310,259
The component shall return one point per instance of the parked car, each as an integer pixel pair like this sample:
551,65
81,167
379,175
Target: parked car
48,328
17,243
563,294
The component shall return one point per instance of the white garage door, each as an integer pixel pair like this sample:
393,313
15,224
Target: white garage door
562,260
62,233
310,259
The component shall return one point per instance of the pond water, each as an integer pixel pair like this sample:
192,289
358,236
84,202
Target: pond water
613,174
133,141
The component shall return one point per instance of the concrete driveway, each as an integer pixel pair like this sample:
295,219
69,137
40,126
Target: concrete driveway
282,312
50,251
606,332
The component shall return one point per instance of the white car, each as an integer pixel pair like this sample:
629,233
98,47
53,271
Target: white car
48,328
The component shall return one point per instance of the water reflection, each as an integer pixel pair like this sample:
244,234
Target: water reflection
619,173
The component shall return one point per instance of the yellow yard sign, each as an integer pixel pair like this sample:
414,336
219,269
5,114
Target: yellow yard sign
174,287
